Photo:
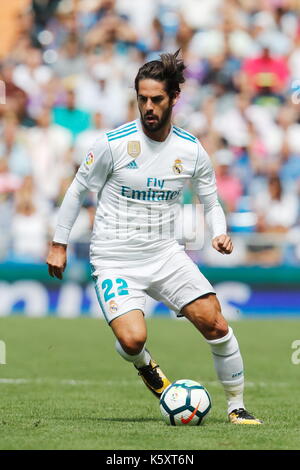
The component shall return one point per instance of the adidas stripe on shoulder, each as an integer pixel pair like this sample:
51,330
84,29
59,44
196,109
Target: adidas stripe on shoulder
184,134
122,131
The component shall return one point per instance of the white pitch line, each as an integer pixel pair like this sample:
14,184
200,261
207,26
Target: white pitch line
22,381
215,383
14,381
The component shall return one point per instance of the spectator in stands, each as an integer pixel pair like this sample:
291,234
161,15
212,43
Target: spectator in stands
70,61
13,148
277,210
103,90
49,147
15,98
111,29
70,117
9,184
29,234
229,186
266,75
232,123
87,138
31,77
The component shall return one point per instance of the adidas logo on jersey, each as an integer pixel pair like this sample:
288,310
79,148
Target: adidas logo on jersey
132,165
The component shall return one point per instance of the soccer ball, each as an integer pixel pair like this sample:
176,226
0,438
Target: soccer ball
184,403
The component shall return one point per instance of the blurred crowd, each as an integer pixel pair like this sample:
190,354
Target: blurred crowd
67,70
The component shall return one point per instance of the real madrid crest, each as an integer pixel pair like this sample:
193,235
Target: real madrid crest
177,166
134,148
113,307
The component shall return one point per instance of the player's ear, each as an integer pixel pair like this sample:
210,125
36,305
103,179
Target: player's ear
175,98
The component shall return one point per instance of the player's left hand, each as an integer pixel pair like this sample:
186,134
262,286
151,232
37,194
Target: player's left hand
223,244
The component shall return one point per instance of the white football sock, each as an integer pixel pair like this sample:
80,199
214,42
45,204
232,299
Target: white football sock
139,360
229,367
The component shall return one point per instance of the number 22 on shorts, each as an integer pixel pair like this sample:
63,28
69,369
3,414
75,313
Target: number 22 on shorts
110,288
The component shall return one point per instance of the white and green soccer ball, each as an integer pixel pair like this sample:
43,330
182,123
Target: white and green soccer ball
184,403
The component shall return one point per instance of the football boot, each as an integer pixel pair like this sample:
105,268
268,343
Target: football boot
154,378
241,416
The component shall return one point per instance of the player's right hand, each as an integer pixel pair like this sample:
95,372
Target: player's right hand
223,244
57,260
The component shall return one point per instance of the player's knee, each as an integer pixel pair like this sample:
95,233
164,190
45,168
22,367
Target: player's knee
216,328
133,344
206,315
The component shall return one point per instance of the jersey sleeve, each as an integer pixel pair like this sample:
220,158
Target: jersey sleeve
69,211
97,166
204,183
203,180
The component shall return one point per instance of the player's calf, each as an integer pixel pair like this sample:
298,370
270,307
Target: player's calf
131,332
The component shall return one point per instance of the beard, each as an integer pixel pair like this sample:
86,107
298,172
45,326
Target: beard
157,124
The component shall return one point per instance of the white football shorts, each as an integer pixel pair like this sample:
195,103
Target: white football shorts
175,281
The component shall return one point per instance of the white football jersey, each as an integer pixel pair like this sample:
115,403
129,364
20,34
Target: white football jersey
139,183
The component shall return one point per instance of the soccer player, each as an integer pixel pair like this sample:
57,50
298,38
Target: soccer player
138,171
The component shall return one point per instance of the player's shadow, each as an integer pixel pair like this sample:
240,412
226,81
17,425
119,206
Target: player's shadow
130,420
122,419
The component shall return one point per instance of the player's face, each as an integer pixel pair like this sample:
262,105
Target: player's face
154,104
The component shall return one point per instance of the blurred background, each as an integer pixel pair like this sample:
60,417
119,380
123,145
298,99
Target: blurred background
67,69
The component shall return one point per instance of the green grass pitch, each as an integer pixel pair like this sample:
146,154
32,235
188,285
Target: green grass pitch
65,387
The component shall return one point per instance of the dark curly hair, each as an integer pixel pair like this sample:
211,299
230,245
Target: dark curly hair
168,69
